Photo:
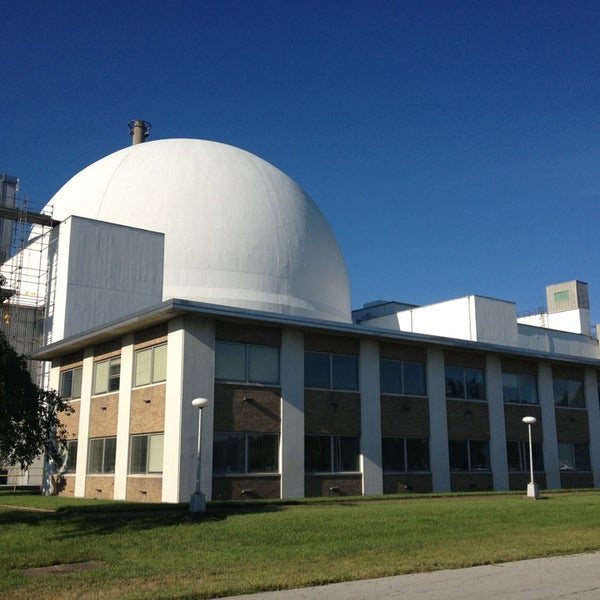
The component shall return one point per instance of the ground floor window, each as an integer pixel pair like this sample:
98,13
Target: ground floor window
331,453
146,454
101,457
405,454
469,455
245,452
518,456
71,457
574,457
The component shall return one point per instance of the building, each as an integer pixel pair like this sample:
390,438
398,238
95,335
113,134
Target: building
183,269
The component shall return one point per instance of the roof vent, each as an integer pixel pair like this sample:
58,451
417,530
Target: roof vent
139,130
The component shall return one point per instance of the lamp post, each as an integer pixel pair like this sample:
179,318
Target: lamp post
197,500
532,488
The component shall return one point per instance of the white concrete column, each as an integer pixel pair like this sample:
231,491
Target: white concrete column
370,418
495,398
593,408
546,394
438,420
291,453
190,374
87,374
123,418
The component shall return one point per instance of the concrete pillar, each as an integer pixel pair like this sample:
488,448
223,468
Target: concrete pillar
495,398
438,420
291,458
593,408
87,374
546,395
123,419
370,417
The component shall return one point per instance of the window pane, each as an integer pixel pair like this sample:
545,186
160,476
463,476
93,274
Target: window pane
414,378
417,454
159,365
66,383
262,453
317,453
344,372
392,450
561,395
480,455
230,361
455,387
538,456
139,454
71,462
110,453
76,390
513,452
528,388
316,370
228,453
582,457
565,457
114,374
101,377
475,384
95,456
459,458
390,373
510,387
576,397
346,451
155,454
264,364
143,367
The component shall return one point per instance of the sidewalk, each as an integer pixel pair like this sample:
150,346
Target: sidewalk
572,577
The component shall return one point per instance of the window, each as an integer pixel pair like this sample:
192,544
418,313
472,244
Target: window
331,453
405,454
146,454
402,377
574,457
568,392
520,388
330,371
518,456
247,363
240,453
465,383
101,458
107,374
469,455
70,383
150,365
70,464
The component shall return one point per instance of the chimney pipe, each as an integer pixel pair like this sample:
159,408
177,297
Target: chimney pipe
139,130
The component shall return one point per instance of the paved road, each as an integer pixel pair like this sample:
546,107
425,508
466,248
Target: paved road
572,577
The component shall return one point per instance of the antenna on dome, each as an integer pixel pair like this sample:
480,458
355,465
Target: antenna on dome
139,130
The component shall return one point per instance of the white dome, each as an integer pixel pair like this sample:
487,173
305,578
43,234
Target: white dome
238,231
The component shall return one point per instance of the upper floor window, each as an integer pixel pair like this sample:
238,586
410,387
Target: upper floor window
465,383
107,374
405,454
402,377
574,457
520,388
150,365
469,455
245,452
330,371
518,456
102,455
247,363
70,383
331,453
568,392
146,454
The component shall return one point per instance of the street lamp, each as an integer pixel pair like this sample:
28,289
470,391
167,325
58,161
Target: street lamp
197,500
532,488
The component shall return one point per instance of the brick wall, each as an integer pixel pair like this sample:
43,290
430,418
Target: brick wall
329,485
148,409
261,411
403,416
246,488
468,420
328,412
403,483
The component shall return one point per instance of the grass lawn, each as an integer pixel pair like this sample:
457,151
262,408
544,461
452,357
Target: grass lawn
153,551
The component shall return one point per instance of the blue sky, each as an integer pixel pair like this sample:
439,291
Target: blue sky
453,146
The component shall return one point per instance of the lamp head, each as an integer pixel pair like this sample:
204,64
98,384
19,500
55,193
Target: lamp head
199,403
529,420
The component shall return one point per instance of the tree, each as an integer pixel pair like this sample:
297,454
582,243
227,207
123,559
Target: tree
29,416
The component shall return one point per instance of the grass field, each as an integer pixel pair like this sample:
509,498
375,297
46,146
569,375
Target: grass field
153,551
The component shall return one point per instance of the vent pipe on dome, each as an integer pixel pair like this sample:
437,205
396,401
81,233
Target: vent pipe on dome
139,131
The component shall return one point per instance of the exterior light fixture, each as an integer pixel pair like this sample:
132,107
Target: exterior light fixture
532,487
198,500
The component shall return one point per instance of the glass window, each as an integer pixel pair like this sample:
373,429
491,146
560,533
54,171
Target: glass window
479,455
263,364
242,452
574,457
344,372
230,361
70,383
469,455
150,365
417,454
414,378
146,453
71,458
518,456
102,453
390,376
393,454
159,363
568,392
458,455
107,375
455,384
330,371
246,363
316,370
346,450
228,453
400,377
317,453
263,453
465,383
405,454
331,453
520,388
